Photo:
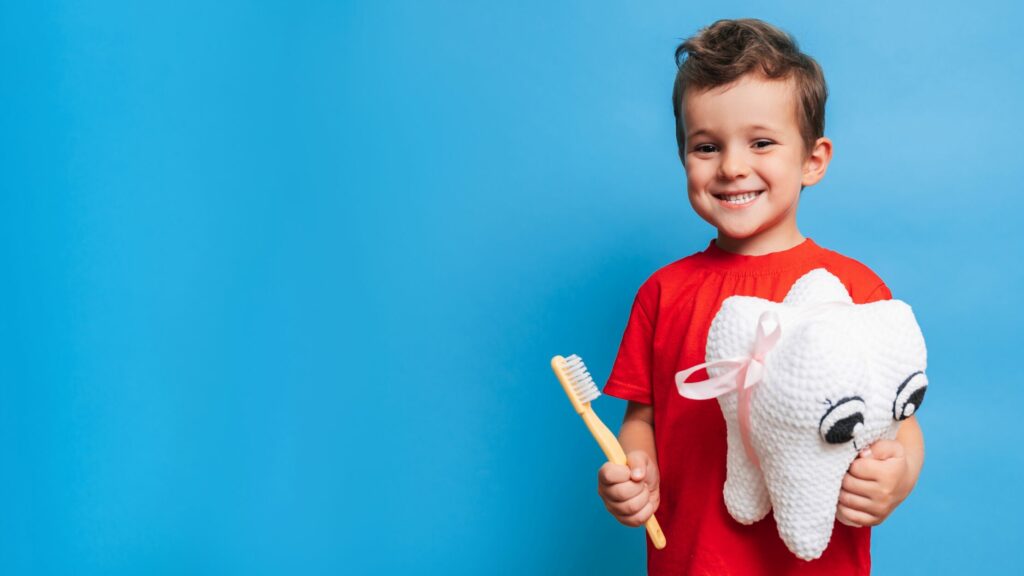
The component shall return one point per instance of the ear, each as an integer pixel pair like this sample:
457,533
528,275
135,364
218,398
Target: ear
816,162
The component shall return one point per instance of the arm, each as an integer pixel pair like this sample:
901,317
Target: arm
912,440
637,432
882,477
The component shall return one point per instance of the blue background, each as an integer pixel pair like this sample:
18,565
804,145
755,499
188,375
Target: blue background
281,280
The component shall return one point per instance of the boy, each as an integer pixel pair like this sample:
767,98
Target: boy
749,110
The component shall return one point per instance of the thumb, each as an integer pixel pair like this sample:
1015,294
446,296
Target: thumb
886,449
637,462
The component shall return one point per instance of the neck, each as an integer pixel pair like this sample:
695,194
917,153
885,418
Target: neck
760,244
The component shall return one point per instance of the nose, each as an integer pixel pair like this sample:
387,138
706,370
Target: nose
733,165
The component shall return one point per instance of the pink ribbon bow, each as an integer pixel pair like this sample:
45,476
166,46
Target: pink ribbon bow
746,373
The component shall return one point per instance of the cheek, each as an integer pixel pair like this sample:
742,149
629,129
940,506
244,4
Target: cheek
697,176
702,204
789,171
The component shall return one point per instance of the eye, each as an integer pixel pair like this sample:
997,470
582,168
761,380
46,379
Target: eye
705,148
761,144
909,396
839,424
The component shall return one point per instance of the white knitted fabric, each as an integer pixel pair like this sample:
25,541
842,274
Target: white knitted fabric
840,377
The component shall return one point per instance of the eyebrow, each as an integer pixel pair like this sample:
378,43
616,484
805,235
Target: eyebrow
696,133
754,128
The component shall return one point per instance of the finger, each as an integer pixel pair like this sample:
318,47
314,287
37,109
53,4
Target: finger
854,518
634,505
877,470
637,461
624,491
858,486
611,473
651,477
864,469
857,502
842,519
640,517
870,468
885,449
651,480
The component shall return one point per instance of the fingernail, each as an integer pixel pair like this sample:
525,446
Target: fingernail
636,472
866,453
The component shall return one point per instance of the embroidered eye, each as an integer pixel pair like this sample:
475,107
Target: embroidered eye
843,421
909,396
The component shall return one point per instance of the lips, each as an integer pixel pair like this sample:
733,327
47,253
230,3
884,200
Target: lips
739,197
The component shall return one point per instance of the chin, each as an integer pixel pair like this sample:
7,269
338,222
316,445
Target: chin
737,232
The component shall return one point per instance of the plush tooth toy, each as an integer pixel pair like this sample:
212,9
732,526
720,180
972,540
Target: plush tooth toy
804,385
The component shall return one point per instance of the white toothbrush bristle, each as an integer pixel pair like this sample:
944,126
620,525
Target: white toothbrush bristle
582,384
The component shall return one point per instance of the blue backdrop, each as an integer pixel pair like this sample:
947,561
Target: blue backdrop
282,280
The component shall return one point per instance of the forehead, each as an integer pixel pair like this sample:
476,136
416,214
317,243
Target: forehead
750,101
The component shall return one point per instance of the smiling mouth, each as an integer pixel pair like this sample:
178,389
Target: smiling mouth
740,198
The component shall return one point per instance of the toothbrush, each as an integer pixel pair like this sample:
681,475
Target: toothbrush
580,387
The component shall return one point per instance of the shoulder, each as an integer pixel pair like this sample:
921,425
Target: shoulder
674,274
861,281
670,279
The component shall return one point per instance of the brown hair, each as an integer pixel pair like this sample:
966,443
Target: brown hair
728,49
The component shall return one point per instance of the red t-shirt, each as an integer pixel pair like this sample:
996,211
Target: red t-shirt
667,332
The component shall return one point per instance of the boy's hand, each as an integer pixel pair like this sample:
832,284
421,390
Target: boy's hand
630,492
874,485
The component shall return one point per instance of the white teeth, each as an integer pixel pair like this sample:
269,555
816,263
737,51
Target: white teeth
739,198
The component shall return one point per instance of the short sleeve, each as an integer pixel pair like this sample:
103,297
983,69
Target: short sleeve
881,292
631,374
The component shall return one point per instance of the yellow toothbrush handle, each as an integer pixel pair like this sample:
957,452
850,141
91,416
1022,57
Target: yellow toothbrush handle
613,450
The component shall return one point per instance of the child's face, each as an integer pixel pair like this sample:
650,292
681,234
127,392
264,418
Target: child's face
745,160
